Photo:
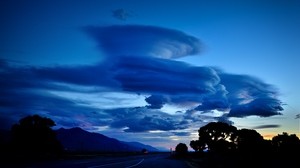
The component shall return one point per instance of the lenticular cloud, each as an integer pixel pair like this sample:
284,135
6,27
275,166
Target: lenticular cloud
139,60
142,40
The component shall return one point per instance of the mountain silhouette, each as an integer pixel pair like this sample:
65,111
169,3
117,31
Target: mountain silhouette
77,139
141,146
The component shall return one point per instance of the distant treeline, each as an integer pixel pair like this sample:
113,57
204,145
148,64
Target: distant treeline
223,145
33,138
221,137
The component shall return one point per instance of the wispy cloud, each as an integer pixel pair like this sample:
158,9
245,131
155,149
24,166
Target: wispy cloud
266,126
121,14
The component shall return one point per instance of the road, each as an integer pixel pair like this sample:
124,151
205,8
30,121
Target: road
141,161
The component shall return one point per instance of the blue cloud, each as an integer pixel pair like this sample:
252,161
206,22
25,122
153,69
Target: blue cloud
155,75
263,107
217,101
85,75
136,63
142,119
249,95
156,101
142,40
121,14
182,133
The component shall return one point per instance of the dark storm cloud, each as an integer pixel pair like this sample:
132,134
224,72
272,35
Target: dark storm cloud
144,40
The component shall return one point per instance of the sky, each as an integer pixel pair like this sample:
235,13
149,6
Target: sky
152,71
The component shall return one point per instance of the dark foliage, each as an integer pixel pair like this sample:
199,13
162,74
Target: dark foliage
33,137
215,136
286,145
229,147
248,140
181,149
195,145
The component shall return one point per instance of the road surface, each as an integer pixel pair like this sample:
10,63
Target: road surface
140,161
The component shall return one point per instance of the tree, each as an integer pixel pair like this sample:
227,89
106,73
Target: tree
286,144
248,140
181,148
195,145
216,136
33,136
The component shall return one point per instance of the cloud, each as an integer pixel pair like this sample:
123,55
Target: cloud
118,40
25,92
142,119
224,118
217,101
266,126
86,75
156,101
263,107
136,64
121,14
249,95
161,76
182,133
30,90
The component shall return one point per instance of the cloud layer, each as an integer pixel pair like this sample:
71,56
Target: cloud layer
140,60
119,40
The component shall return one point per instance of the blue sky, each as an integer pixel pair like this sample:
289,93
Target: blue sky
149,71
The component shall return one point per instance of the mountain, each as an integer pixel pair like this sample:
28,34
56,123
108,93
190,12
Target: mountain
141,146
77,139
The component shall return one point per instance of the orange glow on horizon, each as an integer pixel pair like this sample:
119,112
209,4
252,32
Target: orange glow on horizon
269,136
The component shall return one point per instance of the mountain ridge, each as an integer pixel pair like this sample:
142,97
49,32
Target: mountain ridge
77,139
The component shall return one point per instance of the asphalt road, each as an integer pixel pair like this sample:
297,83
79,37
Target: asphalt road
141,161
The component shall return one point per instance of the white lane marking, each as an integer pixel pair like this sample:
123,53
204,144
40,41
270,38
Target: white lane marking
109,164
136,164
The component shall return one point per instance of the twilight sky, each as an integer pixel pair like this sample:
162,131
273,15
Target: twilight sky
151,71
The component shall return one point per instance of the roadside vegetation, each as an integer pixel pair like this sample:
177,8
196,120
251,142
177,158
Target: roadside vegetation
32,139
219,145
223,145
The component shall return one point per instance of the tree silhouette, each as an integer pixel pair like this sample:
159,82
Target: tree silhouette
33,136
181,148
246,146
216,136
195,145
248,140
286,144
